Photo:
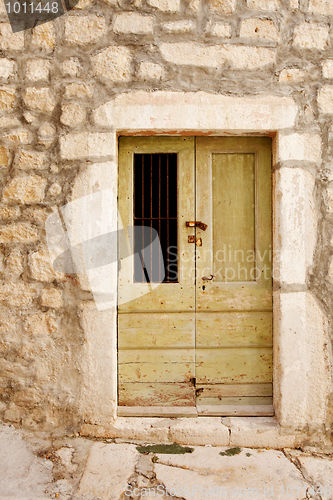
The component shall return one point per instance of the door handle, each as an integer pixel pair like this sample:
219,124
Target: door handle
195,223
205,278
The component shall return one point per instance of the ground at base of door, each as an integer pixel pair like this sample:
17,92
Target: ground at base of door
35,468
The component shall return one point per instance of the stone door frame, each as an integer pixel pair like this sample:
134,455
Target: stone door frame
301,360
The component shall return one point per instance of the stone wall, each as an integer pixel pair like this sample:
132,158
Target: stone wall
54,81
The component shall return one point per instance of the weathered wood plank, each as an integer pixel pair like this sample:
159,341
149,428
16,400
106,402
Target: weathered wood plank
235,297
234,365
230,390
235,401
237,410
156,330
153,365
233,329
156,394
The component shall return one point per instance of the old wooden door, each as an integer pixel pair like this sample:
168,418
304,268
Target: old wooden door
200,342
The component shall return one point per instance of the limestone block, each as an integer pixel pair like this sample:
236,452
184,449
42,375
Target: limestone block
220,29
165,5
311,36
200,111
29,189
10,40
70,66
264,4
292,75
14,264
38,69
325,99
9,121
257,28
40,324
222,6
330,270
7,97
86,144
43,37
302,362
72,114
46,130
324,7
7,212
78,90
28,160
108,470
295,224
21,232
39,98
327,68
9,322
98,364
198,432
150,71
84,29
241,57
40,266
304,147
194,6
17,294
113,63
37,214
4,156
294,4
258,432
12,413
184,26
51,297
132,22
19,135
7,68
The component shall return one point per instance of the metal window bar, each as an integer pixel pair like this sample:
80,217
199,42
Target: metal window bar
156,207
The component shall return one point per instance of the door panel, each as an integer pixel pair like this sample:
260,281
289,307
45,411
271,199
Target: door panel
234,308
156,324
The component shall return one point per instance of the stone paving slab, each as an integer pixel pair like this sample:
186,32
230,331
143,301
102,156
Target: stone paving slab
108,470
259,474
318,471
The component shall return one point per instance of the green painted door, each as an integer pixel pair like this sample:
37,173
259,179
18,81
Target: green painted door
200,342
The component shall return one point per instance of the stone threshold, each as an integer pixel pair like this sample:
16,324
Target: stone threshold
250,432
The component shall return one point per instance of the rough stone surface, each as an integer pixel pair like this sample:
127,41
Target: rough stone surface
179,27
306,147
292,75
28,160
319,472
215,55
38,69
29,189
17,294
7,97
311,36
165,5
113,63
40,99
85,144
40,324
78,90
108,470
10,40
323,7
327,67
264,4
7,68
192,475
133,22
20,232
23,474
84,29
219,29
41,267
325,99
51,297
257,28
222,6
43,37
150,71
